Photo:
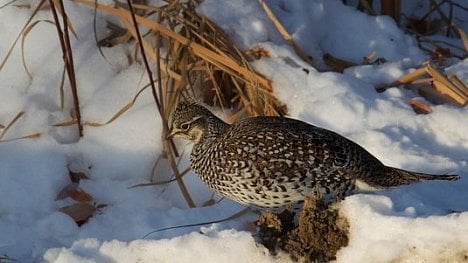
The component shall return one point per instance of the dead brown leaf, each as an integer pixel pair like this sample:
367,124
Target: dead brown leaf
77,176
79,212
65,191
420,107
80,195
74,192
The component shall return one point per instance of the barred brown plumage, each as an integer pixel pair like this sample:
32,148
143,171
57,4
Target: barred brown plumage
276,161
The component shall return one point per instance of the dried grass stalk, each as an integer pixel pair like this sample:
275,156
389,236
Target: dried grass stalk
38,7
168,144
391,8
449,88
30,136
464,38
459,84
284,33
64,39
197,41
411,76
445,90
4,130
193,58
12,122
446,87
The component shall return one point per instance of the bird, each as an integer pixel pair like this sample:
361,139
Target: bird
274,162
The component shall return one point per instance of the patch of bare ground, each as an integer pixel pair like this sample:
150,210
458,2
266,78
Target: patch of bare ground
316,236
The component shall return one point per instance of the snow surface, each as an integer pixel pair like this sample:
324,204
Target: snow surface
411,223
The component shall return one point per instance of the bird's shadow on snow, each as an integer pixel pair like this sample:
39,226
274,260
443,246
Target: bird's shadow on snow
424,199
425,142
430,197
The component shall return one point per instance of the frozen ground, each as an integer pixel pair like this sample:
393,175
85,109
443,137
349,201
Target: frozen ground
412,223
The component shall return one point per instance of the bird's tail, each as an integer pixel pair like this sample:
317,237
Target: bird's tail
394,177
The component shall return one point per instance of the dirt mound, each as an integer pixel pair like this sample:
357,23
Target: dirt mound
317,236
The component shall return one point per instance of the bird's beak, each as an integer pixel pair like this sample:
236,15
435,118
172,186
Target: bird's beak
171,134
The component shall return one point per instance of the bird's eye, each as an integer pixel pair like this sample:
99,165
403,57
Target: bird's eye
185,126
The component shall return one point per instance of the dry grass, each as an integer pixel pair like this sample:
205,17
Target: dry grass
63,29
187,56
4,129
285,34
434,85
199,59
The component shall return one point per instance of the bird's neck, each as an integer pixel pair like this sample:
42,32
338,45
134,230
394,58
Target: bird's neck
214,128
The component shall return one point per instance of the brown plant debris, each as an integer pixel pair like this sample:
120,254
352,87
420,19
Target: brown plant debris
391,8
257,53
284,33
192,58
317,236
84,205
338,65
76,176
81,212
4,130
57,6
196,52
464,38
423,26
434,85
420,107
74,192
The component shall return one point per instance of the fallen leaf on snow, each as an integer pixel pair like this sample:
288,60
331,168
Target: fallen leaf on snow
79,212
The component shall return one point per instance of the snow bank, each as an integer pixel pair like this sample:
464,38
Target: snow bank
224,246
381,234
318,26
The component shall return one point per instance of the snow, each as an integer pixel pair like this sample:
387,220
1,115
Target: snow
410,223
319,27
419,238
235,247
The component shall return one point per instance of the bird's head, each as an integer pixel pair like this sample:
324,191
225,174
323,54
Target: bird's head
192,121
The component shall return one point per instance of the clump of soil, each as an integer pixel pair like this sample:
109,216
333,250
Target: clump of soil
273,228
317,236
